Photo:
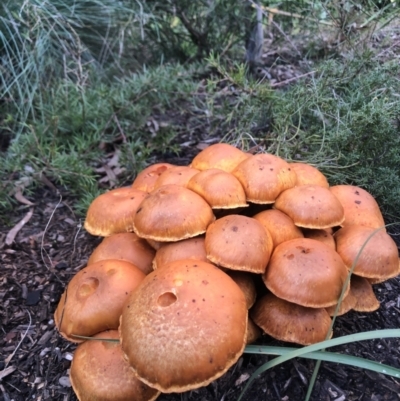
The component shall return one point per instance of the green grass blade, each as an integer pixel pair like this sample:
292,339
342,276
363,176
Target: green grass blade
328,357
369,335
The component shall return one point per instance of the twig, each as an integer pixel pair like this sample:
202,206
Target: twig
286,81
8,359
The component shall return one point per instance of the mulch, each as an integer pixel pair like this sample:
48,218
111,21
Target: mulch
34,359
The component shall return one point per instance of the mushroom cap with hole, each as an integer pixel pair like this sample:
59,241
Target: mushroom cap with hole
360,207
239,243
219,155
311,206
308,175
246,283
362,290
306,272
99,372
125,246
379,258
264,177
220,189
191,248
172,213
113,212
279,225
146,179
177,175
323,235
93,299
290,322
184,326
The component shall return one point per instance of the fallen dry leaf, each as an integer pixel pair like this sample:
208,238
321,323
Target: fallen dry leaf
21,198
15,230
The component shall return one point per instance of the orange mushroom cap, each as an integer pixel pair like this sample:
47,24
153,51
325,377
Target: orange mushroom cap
172,213
308,175
146,179
99,372
93,299
311,206
306,272
184,326
113,212
264,177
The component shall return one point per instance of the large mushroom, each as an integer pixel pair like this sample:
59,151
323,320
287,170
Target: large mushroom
184,326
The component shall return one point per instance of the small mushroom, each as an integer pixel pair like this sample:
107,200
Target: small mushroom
99,372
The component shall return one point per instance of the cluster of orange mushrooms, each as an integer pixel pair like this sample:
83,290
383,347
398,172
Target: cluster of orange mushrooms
198,261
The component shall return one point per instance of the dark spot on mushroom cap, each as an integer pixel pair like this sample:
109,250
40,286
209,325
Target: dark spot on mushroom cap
234,228
358,202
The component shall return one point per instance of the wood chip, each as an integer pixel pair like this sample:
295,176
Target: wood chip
7,371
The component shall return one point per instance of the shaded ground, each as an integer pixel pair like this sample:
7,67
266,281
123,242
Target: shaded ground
34,359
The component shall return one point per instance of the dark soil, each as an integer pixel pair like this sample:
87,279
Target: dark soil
34,358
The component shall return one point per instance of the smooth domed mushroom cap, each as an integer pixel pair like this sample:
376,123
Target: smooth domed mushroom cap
238,243
311,206
246,283
379,258
146,179
286,321
113,212
177,175
172,213
308,175
306,272
360,207
191,248
125,246
99,372
381,280
184,326
264,177
220,155
279,225
361,289
94,298
220,189
324,236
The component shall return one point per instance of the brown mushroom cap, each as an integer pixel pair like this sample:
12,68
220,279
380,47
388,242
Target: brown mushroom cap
324,236
308,175
264,177
191,248
311,206
172,213
146,179
279,225
113,212
220,189
290,322
125,246
253,332
220,155
184,326
93,299
361,289
379,258
177,175
306,272
238,243
348,303
360,207
246,283
99,372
